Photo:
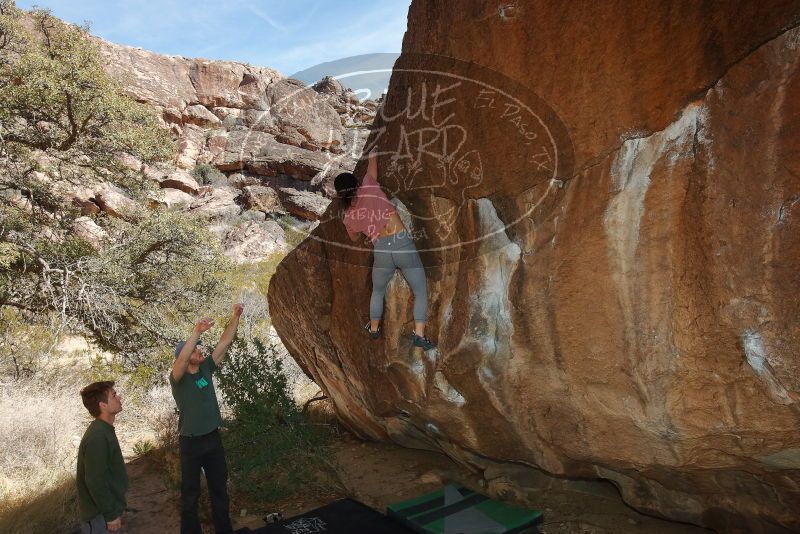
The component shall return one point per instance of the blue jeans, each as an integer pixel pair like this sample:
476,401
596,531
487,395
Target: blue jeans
397,251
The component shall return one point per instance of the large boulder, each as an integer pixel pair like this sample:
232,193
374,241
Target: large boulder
200,115
82,197
181,180
254,241
242,180
261,198
171,198
303,114
303,204
191,144
89,231
216,203
115,202
352,111
605,196
260,153
329,86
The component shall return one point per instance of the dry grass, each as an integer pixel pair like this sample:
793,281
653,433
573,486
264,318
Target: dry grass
55,509
42,420
41,424
40,429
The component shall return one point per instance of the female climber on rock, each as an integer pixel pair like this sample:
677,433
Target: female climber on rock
366,210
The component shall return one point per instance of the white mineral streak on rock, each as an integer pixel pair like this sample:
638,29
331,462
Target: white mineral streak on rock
450,393
490,306
631,174
631,171
756,355
433,429
486,374
447,314
418,368
500,257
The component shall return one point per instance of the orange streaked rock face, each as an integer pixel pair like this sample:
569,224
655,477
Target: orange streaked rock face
607,200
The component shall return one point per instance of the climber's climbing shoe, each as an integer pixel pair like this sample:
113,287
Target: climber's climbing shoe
374,334
422,341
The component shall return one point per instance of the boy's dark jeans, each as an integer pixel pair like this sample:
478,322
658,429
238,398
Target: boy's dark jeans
204,452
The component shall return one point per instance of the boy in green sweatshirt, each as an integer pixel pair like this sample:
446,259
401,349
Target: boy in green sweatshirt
102,480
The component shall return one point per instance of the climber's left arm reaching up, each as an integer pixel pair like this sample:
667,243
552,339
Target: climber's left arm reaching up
372,163
228,335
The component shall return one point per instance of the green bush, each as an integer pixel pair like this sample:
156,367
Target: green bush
273,449
23,346
291,229
65,123
143,447
206,174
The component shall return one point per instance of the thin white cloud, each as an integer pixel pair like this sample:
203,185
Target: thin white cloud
380,30
266,18
287,36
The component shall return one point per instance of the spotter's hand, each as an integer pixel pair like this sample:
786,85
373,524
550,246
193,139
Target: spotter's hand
203,324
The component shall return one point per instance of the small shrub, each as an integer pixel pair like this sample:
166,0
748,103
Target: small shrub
287,220
206,174
143,447
165,426
272,448
294,234
24,345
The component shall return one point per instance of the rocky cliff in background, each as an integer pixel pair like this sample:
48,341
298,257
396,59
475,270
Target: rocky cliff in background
607,198
241,117
266,147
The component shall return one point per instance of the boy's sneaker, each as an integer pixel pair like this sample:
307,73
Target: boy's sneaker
373,334
421,341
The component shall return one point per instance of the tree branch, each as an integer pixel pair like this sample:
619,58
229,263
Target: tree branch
73,135
17,305
309,401
158,245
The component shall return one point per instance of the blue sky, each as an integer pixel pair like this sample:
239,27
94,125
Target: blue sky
286,35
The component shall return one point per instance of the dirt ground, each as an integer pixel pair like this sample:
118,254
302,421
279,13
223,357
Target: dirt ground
378,474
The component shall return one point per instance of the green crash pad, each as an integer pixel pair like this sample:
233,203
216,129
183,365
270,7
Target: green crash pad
458,510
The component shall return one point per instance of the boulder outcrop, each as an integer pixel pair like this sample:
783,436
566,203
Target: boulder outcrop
216,203
252,241
88,230
262,198
115,201
237,116
181,180
607,200
303,204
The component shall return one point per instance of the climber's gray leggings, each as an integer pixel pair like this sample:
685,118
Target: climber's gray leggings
393,252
